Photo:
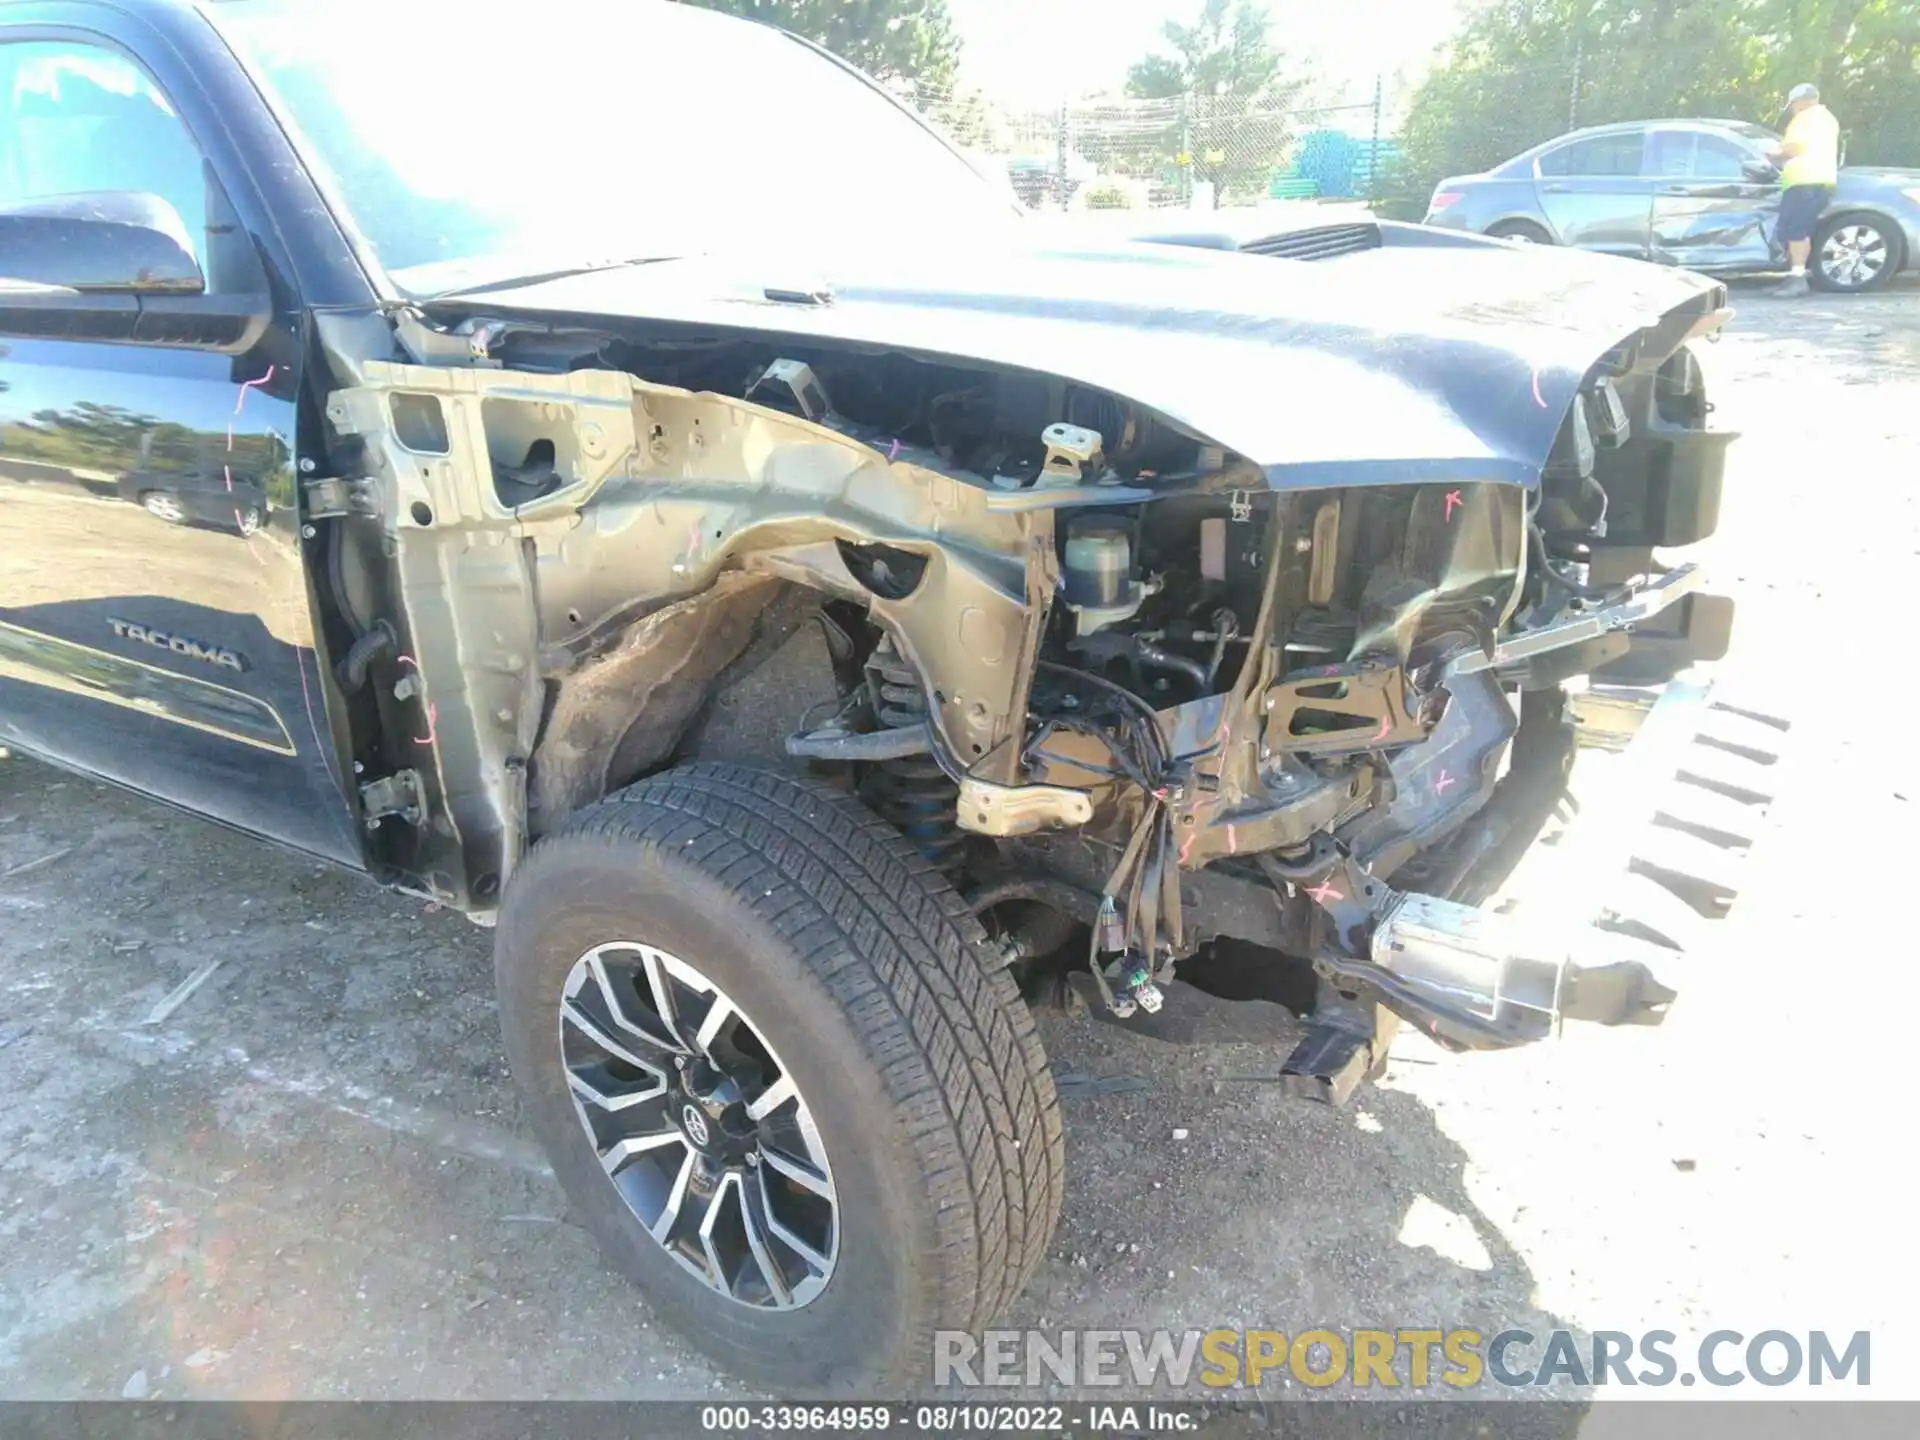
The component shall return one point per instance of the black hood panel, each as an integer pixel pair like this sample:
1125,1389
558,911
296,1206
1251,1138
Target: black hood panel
1383,366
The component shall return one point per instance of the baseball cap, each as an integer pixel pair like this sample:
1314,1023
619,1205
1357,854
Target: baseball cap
1803,92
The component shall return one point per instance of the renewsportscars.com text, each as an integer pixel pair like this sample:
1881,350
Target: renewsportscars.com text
1400,1359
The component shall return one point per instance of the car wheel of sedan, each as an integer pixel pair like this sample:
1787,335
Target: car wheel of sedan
1520,230
164,506
1854,253
781,1076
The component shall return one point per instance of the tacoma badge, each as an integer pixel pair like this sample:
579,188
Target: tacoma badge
180,645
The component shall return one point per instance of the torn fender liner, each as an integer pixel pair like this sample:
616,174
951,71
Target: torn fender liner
1391,366
620,714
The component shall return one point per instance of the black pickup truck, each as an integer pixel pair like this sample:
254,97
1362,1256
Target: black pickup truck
815,611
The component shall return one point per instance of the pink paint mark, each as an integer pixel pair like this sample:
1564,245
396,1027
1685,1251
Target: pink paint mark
893,452
1233,840
1324,892
1538,398
1386,729
1453,500
226,471
246,385
1186,847
241,400
1443,784
433,712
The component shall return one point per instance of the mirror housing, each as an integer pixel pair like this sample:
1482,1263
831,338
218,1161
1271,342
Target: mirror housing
1760,172
113,241
116,265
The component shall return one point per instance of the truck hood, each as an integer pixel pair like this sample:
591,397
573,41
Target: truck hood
1389,364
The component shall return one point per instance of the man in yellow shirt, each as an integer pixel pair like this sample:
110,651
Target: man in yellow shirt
1809,159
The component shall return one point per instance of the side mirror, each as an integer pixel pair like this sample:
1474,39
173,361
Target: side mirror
115,241
1760,172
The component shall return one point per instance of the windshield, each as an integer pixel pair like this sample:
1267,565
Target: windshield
469,147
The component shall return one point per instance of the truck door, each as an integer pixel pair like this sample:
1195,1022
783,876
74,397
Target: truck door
155,626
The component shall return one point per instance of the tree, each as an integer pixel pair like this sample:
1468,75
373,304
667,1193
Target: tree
1865,57
1228,51
969,119
1522,71
889,39
1231,86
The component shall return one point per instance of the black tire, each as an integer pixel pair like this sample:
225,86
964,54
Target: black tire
1891,246
1520,230
874,985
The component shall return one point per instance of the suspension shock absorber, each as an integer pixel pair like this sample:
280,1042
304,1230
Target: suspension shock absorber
913,793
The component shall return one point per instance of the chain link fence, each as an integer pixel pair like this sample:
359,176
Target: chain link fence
1193,150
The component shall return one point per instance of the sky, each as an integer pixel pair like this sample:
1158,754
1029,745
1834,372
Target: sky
1043,51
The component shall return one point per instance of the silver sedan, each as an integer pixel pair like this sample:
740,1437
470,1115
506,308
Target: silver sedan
1696,193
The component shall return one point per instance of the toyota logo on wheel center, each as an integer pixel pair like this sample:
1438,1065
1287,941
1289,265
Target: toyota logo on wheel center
696,1124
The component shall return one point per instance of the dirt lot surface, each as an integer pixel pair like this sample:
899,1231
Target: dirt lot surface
309,1179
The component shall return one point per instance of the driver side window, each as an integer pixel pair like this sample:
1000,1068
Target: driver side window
1695,155
82,126
1717,159
1670,154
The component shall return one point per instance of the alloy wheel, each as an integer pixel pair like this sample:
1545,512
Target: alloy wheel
166,507
1853,256
699,1125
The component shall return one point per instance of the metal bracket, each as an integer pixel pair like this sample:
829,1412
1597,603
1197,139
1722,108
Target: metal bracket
1583,625
333,498
1073,454
791,387
397,794
1003,810
426,345
1369,692
1346,1041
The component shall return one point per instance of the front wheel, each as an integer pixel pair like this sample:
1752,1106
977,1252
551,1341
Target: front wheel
1852,253
163,505
779,1075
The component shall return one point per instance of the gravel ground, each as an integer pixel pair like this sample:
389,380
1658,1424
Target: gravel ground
310,1180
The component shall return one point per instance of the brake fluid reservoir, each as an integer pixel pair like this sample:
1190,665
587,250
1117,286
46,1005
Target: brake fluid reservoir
1099,561
1097,573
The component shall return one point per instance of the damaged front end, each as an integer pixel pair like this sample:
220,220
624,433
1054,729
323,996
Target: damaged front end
1136,683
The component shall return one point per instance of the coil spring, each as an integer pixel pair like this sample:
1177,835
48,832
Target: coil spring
913,794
